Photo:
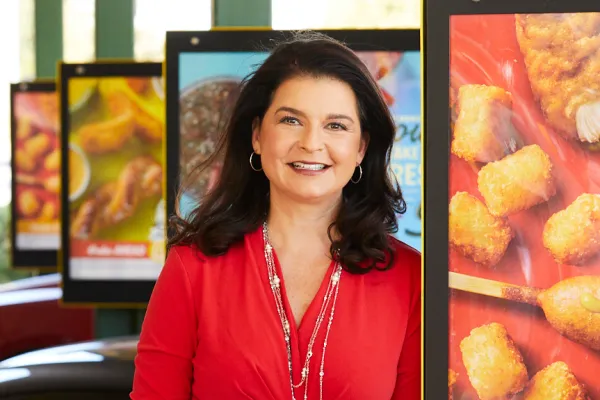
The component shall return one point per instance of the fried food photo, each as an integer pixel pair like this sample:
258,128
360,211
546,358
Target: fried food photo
483,130
572,235
475,232
494,365
37,162
517,182
129,115
562,58
451,381
572,306
555,382
117,201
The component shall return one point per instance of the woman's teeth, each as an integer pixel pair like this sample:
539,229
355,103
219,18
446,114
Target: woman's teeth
313,167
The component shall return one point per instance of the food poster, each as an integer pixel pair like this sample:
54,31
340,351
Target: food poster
36,170
115,175
524,206
209,85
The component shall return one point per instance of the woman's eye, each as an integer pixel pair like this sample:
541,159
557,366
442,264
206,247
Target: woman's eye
336,126
290,120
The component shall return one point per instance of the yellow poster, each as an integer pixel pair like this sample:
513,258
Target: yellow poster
116,167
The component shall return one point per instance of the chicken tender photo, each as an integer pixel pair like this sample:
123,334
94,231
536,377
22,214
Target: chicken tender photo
562,58
494,364
555,382
517,182
475,233
572,235
483,130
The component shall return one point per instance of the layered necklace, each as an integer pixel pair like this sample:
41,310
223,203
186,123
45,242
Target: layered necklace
330,298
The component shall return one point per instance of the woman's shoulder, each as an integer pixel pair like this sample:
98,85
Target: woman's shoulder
406,264
196,263
405,255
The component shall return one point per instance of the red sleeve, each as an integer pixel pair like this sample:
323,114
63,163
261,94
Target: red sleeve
408,383
163,365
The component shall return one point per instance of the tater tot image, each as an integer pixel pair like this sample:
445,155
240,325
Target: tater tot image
555,382
37,145
475,232
25,163
451,381
48,212
494,364
52,161
483,129
517,182
572,235
28,204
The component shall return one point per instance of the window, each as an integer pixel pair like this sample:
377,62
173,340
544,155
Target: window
339,14
11,46
153,18
79,30
27,33
17,31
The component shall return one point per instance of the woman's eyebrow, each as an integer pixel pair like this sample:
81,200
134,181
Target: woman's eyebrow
302,114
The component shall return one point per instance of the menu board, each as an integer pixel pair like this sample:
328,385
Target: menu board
113,177
36,175
208,79
522,198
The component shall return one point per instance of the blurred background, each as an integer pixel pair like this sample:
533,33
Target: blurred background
36,34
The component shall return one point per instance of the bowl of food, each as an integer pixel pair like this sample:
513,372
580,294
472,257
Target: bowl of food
204,108
158,84
79,172
81,91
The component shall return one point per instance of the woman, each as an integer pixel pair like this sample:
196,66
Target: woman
285,282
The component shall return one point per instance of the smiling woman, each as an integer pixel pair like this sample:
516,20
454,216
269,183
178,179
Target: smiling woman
311,129
285,281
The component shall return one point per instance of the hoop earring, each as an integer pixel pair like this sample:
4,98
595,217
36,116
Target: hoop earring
252,166
359,175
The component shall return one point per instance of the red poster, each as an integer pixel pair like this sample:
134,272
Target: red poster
524,206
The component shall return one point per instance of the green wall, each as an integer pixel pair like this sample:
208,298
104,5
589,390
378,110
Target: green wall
114,39
48,37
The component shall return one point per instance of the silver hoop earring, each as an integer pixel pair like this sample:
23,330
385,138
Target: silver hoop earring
359,175
252,166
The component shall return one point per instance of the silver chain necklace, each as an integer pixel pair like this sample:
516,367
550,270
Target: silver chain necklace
331,295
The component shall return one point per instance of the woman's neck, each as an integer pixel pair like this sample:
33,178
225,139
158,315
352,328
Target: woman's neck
298,226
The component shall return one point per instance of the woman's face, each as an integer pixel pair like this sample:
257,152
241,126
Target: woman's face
310,140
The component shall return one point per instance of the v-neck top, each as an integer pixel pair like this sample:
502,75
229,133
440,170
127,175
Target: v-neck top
212,331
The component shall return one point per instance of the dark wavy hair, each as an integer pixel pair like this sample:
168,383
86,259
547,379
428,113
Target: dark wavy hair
239,202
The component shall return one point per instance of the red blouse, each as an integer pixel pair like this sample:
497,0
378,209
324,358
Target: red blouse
212,332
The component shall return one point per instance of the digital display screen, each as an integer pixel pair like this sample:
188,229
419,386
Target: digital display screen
209,85
115,177
36,170
524,206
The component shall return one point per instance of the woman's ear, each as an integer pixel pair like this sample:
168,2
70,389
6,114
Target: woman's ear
256,135
364,143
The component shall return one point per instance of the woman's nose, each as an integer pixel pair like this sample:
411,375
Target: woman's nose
312,139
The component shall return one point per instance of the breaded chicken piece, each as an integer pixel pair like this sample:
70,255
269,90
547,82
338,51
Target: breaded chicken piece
517,182
494,364
483,130
475,233
451,381
562,57
555,382
572,235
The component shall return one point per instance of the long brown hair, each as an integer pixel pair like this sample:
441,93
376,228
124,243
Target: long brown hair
239,202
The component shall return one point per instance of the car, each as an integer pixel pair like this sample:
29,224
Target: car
32,317
92,370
